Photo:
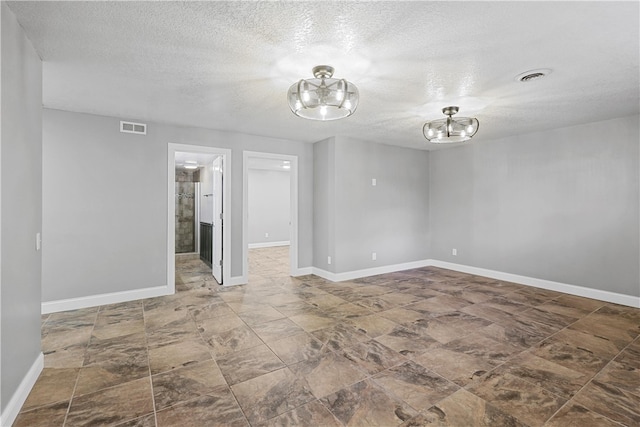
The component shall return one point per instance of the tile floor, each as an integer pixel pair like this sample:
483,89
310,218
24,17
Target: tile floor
425,347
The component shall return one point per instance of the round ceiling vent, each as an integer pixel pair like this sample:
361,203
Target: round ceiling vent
531,75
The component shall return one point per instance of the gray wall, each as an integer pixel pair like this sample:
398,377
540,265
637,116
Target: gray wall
269,207
390,218
560,205
324,203
352,218
21,204
105,201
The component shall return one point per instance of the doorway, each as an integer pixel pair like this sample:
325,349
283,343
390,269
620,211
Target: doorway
270,213
198,207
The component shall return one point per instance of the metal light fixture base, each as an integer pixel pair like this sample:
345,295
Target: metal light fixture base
450,130
323,97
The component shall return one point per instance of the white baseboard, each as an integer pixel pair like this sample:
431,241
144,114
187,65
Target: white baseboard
12,409
629,300
268,244
302,271
356,274
237,280
103,299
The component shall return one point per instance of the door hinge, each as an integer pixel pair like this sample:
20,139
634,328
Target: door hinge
220,263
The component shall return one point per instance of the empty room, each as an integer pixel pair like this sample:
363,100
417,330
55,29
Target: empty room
336,213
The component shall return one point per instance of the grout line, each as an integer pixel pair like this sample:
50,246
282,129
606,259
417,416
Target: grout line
86,349
591,379
146,340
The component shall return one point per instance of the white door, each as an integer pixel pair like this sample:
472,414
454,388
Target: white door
216,260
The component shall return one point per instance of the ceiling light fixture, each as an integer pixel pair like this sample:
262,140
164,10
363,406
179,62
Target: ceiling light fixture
323,98
450,130
191,166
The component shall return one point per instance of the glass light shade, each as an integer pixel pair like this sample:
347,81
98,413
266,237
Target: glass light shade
323,98
450,129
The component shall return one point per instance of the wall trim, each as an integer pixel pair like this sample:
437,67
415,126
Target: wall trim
356,274
268,244
303,271
598,294
103,299
623,299
237,280
12,409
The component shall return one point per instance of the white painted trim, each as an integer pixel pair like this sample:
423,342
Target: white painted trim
12,409
237,280
629,300
304,271
293,229
598,294
104,299
356,274
172,149
268,244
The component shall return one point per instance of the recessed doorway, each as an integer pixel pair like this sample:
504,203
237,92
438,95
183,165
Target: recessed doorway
270,212
197,209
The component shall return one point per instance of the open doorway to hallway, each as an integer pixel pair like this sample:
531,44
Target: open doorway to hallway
270,216
198,207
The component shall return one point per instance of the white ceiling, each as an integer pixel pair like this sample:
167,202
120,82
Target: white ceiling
228,65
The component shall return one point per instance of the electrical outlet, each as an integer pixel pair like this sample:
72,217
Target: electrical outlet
454,252
329,260
266,234
374,182
374,256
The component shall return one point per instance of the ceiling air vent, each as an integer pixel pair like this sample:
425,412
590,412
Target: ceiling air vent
533,75
130,127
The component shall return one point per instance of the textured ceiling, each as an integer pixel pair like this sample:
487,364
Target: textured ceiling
228,65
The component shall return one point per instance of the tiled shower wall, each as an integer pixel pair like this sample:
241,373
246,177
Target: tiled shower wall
185,211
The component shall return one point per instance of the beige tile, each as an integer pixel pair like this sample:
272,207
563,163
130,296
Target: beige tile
109,406
610,401
574,415
415,385
373,325
216,408
327,373
186,383
43,416
459,368
272,394
310,414
53,385
365,403
166,357
521,399
243,365
462,409
296,348
508,344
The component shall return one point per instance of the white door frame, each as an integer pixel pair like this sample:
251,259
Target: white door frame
293,187
172,149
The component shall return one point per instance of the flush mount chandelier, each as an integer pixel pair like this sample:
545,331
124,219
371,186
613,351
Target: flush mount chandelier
450,130
323,98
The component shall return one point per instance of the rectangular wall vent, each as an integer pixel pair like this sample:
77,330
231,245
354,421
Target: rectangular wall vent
130,127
